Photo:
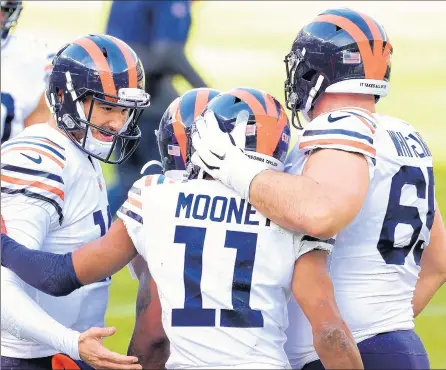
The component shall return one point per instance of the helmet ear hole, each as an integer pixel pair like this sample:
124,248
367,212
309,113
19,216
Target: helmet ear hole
308,76
60,95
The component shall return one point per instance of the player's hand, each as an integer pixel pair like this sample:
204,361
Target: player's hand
92,351
221,154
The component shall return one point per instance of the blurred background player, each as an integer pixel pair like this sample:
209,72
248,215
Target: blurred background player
53,198
207,290
158,33
364,177
25,67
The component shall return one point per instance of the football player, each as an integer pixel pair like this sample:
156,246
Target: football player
148,342
365,177
222,284
25,69
53,198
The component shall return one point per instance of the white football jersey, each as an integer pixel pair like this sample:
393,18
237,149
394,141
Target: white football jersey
26,64
375,261
222,269
53,198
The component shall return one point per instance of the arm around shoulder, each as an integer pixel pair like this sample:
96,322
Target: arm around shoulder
323,200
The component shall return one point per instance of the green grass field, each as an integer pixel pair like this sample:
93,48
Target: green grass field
243,44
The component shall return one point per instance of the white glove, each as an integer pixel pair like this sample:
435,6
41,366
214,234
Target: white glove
221,155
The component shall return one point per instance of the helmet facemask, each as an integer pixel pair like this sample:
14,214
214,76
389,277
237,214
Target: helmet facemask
302,86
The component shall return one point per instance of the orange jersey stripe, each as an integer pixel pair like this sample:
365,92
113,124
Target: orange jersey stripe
365,122
375,63
130,60
46,141
4,231
135,202
105,73
354,144
367,112
200,102
148,181
45,154
36,184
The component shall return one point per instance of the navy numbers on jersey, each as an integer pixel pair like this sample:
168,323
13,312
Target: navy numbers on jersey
8,103
401,214
98,219
193,313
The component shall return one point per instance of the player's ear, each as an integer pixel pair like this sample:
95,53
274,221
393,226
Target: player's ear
60,95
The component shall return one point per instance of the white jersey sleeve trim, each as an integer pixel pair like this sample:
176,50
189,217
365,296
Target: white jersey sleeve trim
307,243
342,129
33,167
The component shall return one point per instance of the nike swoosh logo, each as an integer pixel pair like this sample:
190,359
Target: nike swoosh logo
334,119
220,157
37,160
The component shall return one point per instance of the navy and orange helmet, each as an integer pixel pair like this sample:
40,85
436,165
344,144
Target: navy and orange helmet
267,131
108,70
175,125
11,10
340,51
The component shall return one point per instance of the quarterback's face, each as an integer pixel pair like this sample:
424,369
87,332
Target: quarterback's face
107,117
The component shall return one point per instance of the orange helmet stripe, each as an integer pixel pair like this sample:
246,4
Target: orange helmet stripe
269,133
105,73
201,100
271,108
130,60
376,61
178,128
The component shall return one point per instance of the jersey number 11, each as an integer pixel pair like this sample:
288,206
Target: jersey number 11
193,313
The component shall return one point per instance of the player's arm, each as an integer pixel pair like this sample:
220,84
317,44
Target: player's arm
23,318
149,341
433,266
320,202
61,274
313,290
